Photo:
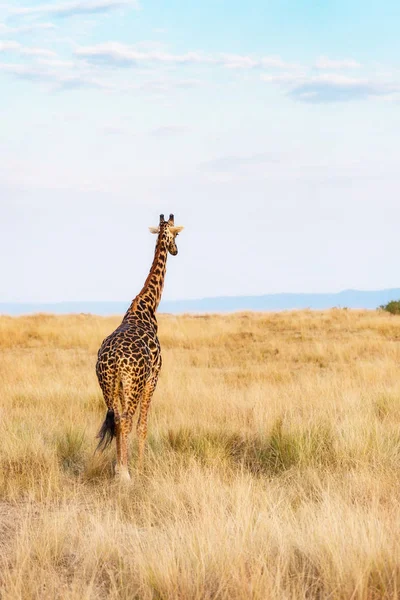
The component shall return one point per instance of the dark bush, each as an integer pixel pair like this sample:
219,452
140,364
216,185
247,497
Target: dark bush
392,307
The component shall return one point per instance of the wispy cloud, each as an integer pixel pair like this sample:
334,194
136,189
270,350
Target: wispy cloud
29,73
326,63
239,61
117,54
162,86
121,55
5,30
60,81
70,9
331,87
9,46
55,62
317,83
65,75
17,48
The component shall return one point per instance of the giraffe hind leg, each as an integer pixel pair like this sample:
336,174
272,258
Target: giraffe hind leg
108,429
123,429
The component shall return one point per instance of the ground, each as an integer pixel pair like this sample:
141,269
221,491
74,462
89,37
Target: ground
272,466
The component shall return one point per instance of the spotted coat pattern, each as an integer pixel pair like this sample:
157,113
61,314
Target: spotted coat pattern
129,360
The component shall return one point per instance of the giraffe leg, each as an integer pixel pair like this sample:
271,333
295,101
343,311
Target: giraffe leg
120,472
118,434
142,421
121,469
123,428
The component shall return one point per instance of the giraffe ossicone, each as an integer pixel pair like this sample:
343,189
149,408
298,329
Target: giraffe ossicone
129,360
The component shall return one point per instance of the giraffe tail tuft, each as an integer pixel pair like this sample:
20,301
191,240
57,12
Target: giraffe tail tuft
107,431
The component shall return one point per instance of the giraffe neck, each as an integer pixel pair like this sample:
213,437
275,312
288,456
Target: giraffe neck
149,297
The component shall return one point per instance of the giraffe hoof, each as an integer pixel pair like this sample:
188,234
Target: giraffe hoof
122,474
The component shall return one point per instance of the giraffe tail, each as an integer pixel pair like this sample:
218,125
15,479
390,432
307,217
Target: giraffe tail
107,431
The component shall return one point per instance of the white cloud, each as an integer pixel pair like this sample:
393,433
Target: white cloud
17,48
332,87
298,82
5,30
326,63
9,46
37,52
70,9
65,75
161,86
60,81
55,62
284,78
114,53
237,61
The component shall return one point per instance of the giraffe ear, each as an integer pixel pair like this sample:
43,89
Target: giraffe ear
175,230
154,229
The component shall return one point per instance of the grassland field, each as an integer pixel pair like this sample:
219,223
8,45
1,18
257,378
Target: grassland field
272,467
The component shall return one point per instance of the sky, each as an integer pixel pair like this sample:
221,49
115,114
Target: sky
270,128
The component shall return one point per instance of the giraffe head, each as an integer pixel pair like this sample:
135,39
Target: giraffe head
170,231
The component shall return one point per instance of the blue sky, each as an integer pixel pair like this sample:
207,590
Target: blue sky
270,129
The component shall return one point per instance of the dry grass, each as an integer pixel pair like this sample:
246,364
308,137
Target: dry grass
272,469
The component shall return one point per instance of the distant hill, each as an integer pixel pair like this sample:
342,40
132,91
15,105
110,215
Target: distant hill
269,302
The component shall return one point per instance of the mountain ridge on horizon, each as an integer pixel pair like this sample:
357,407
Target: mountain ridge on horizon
350,298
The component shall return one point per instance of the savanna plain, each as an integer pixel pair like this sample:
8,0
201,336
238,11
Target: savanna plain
272,467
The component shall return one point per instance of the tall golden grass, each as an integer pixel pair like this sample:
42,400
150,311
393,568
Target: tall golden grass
272,465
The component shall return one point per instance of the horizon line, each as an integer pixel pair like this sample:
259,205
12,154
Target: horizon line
196,299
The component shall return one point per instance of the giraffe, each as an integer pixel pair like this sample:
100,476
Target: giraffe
129,360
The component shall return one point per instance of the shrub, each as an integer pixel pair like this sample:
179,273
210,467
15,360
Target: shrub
392,307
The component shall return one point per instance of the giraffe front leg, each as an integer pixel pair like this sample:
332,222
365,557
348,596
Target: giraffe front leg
142,434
